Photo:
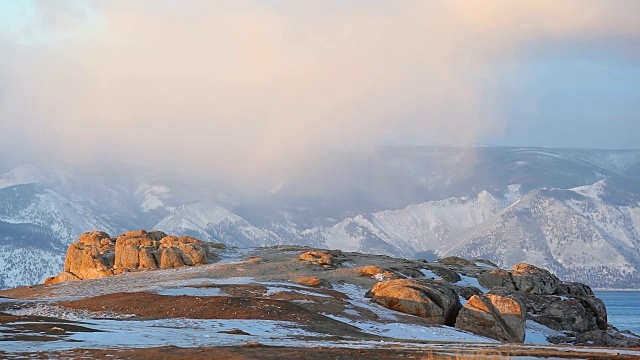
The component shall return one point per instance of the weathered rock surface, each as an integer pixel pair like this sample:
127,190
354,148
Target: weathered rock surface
497,279
533,280
494,316
420,297
610,337
562,313
320,258
525,292
374,271
96,254
314,282
92,256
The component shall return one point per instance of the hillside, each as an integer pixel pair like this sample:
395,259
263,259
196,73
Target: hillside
287,299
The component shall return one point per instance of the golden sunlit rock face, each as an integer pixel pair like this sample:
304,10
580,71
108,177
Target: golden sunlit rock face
95,254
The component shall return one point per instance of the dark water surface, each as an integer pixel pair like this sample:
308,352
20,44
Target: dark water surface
623,308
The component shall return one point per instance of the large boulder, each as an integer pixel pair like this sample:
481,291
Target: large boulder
562,313
497,279
533,280
420,297
496,316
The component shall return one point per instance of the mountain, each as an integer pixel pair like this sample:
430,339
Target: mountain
429,227
407,201
209,221
36,226
588,233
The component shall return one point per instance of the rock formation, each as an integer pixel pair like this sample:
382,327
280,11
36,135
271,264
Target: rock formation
96,254
500,311
494,316
320,258
420,297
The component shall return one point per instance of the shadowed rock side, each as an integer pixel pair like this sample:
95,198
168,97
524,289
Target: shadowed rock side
495,316
96,254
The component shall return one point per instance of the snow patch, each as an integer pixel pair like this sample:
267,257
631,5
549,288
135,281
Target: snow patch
471,281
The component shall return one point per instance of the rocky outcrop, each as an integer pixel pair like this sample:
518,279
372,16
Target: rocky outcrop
96,254
420,297
500,317
514,296
376,272
314,282
320,258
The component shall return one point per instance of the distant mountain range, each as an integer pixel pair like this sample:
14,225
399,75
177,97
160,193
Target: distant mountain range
575,212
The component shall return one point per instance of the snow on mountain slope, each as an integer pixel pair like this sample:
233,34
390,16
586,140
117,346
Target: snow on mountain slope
429,226
36,226
33,174
575,233
33,204
25,266
432,225
152,197
209,221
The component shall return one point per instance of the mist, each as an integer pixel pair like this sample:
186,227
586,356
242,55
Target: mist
246,89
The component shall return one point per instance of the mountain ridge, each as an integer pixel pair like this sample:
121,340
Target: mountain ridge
417,201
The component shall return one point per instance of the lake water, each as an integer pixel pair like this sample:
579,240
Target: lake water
623,308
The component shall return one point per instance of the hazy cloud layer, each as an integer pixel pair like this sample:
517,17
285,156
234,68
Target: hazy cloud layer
246,86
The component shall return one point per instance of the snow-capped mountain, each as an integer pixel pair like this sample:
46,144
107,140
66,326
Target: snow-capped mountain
431,226
209,221
408,201
589,233
36,226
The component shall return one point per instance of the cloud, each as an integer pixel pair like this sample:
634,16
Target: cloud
244,87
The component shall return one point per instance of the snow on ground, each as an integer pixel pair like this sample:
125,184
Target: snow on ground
177,332
538,333
471,281
430,274
193,291
402,331
486,266
275,289
357,299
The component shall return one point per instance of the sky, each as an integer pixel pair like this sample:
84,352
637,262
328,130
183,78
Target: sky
247,86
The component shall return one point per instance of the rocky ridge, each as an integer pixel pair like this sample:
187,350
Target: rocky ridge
471,295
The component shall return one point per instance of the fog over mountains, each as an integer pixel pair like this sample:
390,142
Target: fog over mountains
574,212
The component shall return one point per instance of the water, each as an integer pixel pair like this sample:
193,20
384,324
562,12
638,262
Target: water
623,308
